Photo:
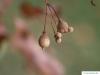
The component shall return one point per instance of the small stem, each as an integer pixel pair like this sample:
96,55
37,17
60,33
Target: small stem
45,16
52,15
52,20
53,27
54,11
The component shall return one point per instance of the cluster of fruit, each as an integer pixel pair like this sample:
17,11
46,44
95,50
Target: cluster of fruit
61,27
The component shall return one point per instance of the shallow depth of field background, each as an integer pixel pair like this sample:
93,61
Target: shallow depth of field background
79,50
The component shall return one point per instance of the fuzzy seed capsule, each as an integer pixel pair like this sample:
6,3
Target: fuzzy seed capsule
58,35
58,40
44,40
62,27
70,29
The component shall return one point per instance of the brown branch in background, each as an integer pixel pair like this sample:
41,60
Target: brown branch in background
29,11
42,62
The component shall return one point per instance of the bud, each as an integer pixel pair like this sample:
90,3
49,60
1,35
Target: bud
70,29
58,35
58,40
62,27
44,40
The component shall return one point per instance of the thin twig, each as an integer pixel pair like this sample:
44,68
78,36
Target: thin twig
52,15
49,5
53,27
45,16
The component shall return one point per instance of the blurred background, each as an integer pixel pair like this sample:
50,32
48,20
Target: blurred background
79,51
